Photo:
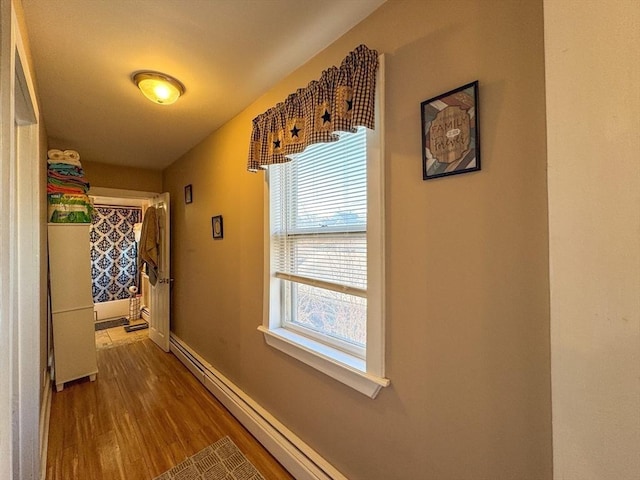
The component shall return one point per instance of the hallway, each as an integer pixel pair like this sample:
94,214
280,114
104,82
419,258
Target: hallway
144,414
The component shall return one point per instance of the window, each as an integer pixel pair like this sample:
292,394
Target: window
318,241
324,259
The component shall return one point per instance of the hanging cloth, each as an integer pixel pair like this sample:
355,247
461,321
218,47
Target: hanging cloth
148,252
341,100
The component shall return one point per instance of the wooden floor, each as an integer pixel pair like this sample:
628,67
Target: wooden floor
115,336
144,414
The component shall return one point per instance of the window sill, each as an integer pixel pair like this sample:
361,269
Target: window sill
341,366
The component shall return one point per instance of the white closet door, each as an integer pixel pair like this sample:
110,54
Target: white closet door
70,265
75,346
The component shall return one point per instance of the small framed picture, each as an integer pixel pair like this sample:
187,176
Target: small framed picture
216,226
450,136
188,194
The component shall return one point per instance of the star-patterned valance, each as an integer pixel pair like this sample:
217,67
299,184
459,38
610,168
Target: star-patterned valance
341,100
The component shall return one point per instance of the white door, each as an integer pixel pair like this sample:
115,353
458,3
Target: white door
159,324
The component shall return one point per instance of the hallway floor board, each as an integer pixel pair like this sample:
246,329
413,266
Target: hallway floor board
144,414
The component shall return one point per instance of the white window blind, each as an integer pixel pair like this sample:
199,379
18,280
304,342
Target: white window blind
319,240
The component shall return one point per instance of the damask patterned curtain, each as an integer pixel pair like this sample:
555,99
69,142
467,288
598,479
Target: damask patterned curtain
341,100
113,252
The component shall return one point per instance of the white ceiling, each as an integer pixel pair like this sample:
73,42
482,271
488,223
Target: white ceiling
226,52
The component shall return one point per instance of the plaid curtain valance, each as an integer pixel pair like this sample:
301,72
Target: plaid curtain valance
341,100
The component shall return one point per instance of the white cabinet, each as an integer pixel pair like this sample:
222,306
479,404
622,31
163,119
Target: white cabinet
74,347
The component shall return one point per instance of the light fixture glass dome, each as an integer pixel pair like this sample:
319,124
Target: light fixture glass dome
158,87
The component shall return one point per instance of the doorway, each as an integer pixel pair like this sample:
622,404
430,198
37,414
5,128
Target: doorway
149,304
119,294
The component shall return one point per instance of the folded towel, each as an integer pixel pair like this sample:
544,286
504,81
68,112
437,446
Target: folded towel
55,154
84,186
66,170
60,189
71,155
64,159
58,179
62,166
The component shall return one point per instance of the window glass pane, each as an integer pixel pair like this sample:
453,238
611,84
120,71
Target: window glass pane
329,185
335,258
332,313
318,232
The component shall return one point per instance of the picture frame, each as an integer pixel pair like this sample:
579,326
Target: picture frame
450,133
188,194
216,227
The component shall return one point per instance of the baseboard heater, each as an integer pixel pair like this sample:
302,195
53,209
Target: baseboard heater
296,456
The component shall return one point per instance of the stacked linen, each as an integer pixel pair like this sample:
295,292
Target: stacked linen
67,188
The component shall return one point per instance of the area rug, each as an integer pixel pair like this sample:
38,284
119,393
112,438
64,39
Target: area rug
219,461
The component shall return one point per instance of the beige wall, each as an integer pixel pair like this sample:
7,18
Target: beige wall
123,178
593,106
467,262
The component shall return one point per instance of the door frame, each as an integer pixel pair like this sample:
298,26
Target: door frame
115,197
150,197
21,257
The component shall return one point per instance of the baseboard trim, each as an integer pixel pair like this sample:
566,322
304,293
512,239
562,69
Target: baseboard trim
296,456
45,416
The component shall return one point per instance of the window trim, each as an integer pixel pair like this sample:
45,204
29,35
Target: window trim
366,376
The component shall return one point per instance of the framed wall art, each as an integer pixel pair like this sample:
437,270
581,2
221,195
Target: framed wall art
450,135
216,226
188,194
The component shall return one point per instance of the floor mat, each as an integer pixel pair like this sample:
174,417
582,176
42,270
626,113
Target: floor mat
219,461
116,322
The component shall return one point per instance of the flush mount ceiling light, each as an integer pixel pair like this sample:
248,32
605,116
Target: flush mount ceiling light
158,87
